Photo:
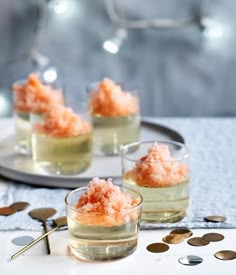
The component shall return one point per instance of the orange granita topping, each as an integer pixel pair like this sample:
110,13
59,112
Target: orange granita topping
104,204
34,96
60,121
109,100
158,169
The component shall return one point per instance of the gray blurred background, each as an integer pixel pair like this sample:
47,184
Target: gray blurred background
179,70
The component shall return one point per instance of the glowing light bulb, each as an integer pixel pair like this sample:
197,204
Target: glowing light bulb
113,45
50,75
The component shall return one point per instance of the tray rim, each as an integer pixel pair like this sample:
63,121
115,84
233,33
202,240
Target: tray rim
55,180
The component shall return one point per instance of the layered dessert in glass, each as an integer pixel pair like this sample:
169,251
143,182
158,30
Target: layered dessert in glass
160,172
103,220
31,96
62,143
115,116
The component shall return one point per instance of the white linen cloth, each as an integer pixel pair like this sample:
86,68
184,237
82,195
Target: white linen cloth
212,146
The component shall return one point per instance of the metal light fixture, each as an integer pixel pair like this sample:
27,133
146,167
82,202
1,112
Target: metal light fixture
113,45
116,13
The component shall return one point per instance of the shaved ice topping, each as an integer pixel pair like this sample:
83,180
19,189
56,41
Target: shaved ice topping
60,121
109,100
34,96
105,204
158,168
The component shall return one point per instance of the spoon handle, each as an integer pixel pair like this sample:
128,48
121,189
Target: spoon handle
46,238
33,243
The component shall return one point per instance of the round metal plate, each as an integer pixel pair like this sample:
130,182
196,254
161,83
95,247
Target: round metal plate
22,168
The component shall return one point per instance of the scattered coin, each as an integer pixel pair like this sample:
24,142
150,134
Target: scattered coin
198,241
19,206
22,240
157,247
215,219
190,260
225,255
6,211
213,237
173,238
182,231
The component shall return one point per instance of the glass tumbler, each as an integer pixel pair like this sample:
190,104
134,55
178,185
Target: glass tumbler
102,237
21,118
32,94
161,174
57,153
112,129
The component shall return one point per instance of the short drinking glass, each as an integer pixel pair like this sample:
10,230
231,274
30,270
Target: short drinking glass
159,170
100,237
115,115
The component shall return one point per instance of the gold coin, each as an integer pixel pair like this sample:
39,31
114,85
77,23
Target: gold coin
19,206
225,255
213,237
197,241
6,211
182,231
173,239
215,219
157,247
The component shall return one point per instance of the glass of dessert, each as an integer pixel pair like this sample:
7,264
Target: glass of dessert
103,220
21,116
159,170
31,96
115,116
62,141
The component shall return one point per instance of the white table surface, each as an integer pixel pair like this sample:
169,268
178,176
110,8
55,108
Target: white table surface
35,261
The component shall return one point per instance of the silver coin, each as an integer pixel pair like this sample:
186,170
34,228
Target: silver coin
190,260
22,240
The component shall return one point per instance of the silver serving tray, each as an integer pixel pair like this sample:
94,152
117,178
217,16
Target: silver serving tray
22,168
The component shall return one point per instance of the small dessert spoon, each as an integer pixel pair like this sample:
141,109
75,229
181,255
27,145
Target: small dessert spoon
42,214
60,222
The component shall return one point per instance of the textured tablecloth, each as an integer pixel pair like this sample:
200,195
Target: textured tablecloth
213,182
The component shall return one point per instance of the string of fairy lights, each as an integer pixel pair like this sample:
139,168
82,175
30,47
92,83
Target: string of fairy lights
212,30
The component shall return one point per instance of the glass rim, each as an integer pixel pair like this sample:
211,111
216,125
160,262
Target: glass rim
125,86
97,213
124,149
